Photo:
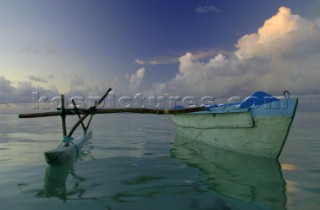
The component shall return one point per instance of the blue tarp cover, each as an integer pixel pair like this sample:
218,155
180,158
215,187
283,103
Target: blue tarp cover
257,98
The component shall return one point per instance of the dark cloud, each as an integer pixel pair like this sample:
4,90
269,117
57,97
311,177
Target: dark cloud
207,9
22,93
37,79
39,50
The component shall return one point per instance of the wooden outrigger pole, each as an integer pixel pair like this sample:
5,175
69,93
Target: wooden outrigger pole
63,119
71,148
118,110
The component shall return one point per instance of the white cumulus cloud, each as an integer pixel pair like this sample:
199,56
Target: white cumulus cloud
281,34
282,55
135,79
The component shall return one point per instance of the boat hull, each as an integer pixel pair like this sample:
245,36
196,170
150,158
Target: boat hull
260,131
66,154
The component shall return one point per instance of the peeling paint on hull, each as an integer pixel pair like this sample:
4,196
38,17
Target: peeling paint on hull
257,131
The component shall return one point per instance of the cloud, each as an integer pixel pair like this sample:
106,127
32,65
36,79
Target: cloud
77,81
39,50
217,76
197,55
20,94
37,79
282,55
282,34
207,9
135,79
5,90
156,61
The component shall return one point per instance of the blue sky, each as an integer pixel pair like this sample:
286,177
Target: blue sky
158,47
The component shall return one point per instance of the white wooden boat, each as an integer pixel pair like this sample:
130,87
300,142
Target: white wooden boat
67,153
257,126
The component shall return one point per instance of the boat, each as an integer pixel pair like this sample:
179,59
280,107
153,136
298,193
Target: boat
258,125
65,154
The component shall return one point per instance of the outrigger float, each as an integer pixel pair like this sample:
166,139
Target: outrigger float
71,147
258,126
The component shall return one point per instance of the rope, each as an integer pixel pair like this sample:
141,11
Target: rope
62,113
67,139
78,152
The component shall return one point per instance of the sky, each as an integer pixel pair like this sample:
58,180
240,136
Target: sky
220,48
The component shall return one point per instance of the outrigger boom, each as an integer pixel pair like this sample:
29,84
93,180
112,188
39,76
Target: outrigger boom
70,149
118,110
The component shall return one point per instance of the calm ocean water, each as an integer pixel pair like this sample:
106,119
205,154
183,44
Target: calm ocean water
134,162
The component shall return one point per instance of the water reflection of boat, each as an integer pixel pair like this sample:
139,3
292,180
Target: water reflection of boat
55,181
243,177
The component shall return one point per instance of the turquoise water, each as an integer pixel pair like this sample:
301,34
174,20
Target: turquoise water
134,162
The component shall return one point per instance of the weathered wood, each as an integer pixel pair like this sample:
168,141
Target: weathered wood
77,112
119,110
91,110
150,111
42,114
63,117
